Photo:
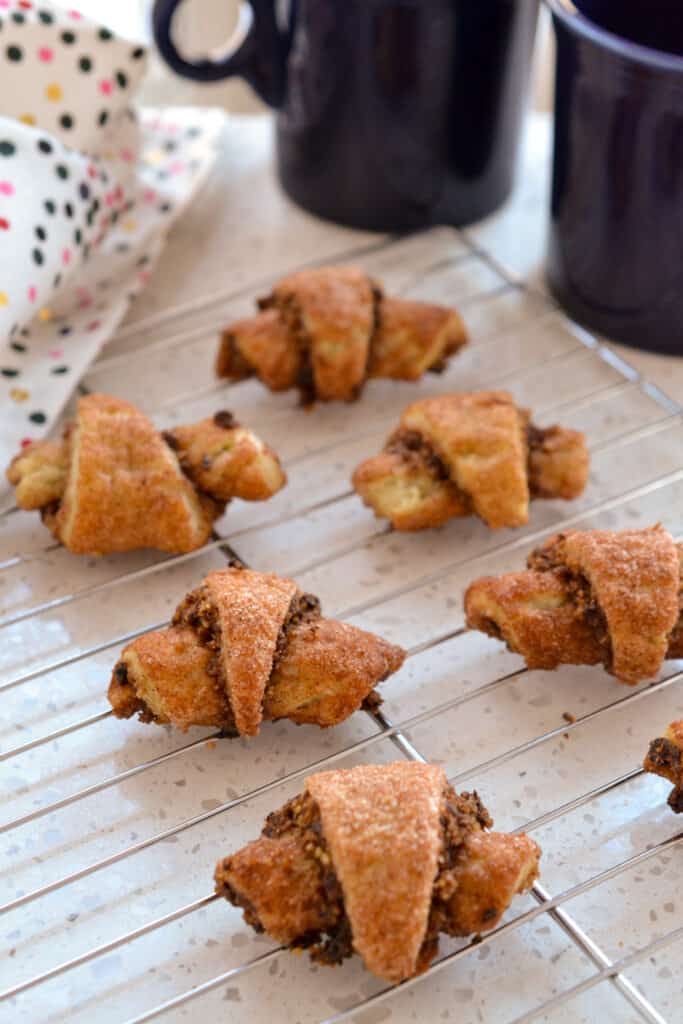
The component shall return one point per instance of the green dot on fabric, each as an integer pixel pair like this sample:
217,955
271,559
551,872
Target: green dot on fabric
37,417
69,38
14,53
62,171
7,148
85,64
122,79
47,17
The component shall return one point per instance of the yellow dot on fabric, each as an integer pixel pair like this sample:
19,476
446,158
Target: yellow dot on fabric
130,225
19,394
27,119
4,300
45,314
54,92
154,156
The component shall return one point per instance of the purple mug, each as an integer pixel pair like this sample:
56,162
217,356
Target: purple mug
615,256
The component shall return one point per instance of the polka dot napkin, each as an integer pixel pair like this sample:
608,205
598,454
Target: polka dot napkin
88,190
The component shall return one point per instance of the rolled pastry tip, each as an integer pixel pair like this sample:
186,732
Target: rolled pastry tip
377,860
665,758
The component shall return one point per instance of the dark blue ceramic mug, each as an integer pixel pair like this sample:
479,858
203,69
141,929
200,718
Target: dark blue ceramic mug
615,257
392,114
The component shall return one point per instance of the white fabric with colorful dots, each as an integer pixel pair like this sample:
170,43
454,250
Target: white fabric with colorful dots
88,190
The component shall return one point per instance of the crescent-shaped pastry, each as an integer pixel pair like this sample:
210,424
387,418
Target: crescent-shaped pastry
247,646
470,454
116,484
665,758
327,330
587,598
377,860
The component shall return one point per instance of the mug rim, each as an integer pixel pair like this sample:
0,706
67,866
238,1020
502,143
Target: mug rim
566,12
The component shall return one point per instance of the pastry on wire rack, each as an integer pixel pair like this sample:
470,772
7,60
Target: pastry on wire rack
377,860
587,598
114,483
665,758
470,454
246,646
326,331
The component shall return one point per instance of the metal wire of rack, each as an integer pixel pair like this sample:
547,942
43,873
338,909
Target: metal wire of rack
405,588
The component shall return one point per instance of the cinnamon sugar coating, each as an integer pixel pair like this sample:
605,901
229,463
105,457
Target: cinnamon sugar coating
470,454
377,860
246,646
116,484
589,597
327,330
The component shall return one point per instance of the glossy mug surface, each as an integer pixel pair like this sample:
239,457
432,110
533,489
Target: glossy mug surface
615,257
392,114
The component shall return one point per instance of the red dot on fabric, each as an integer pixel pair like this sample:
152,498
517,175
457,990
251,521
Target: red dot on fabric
66,256
177,167
149,195
25,442
56,353
76,15
92,171
45,54
4,224
128,155
4,3
32,293
94,325
106,87
25,4
6,188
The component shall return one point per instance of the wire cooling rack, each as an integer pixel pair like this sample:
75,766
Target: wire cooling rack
111,829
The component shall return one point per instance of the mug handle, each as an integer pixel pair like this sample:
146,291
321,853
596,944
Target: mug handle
255,51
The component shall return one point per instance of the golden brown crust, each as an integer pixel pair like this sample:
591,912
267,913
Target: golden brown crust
125,489
634,575
252,607
589,597
331,312
407,492
228,462
382,827
326,330
535,616
377,859
558,463
492,868
261,341
461,454
313,684
116,484
172,682
38,474
234,655
413,337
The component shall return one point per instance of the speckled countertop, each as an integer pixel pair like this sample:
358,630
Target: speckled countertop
143,848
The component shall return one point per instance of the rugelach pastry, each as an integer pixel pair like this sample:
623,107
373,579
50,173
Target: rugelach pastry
378,860
326,331
589,598
247,646
470,454
665,758
114,483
